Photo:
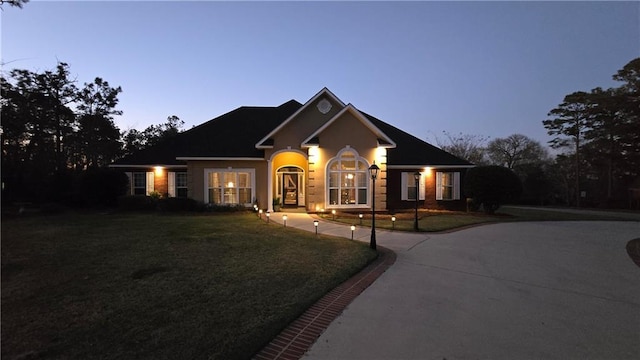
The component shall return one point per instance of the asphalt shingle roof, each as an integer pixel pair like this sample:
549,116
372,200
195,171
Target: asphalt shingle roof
236,133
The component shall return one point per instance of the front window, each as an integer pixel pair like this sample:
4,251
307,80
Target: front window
447,186
348,180
139,183
409,189
181,184
230,187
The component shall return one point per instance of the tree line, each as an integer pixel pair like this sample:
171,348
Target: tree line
56,134
597,138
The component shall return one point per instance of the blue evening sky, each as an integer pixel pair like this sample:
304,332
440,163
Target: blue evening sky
484,68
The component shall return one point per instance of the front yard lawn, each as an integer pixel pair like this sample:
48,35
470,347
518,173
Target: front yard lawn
150,286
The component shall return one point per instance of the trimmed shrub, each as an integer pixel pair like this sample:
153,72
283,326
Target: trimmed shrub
137,203
492,186
174,204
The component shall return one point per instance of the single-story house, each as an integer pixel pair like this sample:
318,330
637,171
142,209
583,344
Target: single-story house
314,156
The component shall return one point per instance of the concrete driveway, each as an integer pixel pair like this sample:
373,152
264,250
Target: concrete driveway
547,290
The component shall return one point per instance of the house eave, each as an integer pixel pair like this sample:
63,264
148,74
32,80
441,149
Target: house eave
148,166
218,158
414,166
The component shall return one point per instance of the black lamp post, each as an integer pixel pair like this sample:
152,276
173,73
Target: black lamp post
416,176
373,170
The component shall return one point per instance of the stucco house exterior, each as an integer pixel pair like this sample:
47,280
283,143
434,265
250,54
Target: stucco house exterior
314,156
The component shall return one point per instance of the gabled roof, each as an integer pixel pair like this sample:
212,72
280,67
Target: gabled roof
232,135
411,151
383,139
245,132
267,142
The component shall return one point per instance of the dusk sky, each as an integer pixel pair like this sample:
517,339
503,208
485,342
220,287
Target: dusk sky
484,68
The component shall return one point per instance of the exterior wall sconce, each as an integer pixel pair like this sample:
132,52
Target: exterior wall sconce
315,224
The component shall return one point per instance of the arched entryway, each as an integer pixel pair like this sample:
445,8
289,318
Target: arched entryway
290,186
288,178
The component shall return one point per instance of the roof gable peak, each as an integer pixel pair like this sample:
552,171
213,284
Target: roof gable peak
264,144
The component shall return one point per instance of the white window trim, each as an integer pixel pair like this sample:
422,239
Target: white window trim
338,156
171,182
234,170
406,180
456,186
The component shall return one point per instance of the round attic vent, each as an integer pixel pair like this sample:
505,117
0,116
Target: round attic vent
324,106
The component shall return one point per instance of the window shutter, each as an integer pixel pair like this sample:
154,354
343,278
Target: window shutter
130,176
150,180
438,186
456,186
422,186
404,195
171,179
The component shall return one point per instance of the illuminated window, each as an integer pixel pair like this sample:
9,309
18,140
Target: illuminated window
447,186
347,180
229,187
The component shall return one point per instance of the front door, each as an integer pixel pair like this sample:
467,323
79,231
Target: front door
290,189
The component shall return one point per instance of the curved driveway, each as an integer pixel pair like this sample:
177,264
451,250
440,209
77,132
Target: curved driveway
545,290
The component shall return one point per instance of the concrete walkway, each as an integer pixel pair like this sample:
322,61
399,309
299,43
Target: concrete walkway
545,290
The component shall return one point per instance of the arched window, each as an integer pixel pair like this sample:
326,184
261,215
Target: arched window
348,180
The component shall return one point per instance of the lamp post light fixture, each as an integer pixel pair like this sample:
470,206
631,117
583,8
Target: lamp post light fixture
360,216
416,176
353,228
315,224
284,220
373,171
268,216
393,222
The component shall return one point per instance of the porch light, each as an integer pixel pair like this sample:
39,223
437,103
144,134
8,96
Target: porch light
393,222
373,171
315,224
353,228
284,219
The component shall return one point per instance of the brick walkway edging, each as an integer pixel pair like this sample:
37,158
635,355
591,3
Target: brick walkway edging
296,339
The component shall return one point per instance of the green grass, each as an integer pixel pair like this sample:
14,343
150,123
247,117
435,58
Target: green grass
436,221
160,287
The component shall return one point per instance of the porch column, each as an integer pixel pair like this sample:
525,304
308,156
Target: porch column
269,186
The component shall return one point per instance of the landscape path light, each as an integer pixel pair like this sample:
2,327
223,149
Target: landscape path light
268,216
315,224
360,216
353,228
260,213
284,220
393,222
333,213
